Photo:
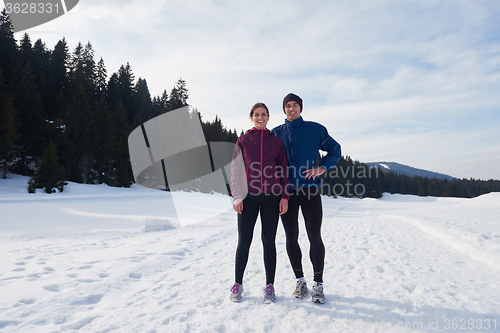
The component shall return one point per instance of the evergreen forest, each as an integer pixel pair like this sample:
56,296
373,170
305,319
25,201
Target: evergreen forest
63,117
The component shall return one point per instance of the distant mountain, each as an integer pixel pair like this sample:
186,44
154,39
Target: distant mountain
409,171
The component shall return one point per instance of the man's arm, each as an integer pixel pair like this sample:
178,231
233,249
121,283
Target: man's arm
334,152
330,160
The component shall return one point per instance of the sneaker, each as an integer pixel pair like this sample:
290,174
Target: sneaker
269,295
236,292
317,295
300,289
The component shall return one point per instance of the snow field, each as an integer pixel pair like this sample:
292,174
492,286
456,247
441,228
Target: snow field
98,259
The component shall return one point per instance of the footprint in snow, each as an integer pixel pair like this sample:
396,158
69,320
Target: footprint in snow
103,275
88,300
133,259
85,267
27,301
52,287
174,253
409,287
135,275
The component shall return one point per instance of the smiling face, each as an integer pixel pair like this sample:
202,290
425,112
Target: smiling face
260,117
292,110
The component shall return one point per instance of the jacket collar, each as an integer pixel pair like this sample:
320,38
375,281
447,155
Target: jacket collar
255,130
295,124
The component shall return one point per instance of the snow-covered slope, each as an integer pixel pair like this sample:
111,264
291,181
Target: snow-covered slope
101,259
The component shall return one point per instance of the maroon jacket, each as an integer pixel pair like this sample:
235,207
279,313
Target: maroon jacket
263,166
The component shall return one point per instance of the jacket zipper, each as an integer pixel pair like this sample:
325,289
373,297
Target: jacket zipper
261,178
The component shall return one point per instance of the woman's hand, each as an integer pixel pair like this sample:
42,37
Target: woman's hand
238,205
314,172
283,206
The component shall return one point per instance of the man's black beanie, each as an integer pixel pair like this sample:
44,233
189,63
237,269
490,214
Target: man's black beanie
292,97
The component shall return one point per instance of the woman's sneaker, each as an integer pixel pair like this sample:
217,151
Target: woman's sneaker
269,295
300,289
236,292
317,295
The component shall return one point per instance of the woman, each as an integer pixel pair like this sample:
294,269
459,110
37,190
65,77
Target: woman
261,172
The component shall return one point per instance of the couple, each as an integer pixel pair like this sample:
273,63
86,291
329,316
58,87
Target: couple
278,168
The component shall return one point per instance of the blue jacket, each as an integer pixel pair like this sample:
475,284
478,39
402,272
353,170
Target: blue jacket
303,140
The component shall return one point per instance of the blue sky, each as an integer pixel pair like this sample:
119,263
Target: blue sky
414,82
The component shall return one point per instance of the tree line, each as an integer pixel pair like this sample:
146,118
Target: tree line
63,119
355,179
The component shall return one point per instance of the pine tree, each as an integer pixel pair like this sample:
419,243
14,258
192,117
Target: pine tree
58,68
79,137
76,60
142,102
50,174
179,95
89,66
113,92
29,104
105,133
156,107
126,89
101,75
164,102
83,71
26,51
9,127
121,175
41,58
9,134
8,46
40,66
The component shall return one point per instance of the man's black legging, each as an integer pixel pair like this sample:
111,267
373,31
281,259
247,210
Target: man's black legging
268,206
309,199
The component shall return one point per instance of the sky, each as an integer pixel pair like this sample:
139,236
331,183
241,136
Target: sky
413,82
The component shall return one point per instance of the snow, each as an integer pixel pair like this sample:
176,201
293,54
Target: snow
384,166
102,259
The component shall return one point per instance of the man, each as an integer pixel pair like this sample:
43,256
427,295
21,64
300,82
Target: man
303,140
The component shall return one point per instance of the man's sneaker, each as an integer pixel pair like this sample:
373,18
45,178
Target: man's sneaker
317,295
269,295
236,292
300,289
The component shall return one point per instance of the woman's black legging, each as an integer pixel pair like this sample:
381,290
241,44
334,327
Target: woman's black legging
309,200
268,206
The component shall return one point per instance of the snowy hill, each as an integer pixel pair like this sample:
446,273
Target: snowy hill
407,170
102,259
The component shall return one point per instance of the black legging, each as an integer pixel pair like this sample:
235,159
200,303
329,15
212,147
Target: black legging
268,206
309,199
